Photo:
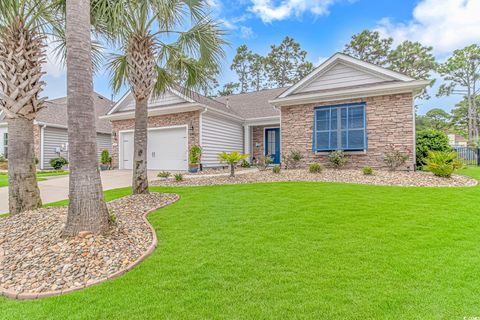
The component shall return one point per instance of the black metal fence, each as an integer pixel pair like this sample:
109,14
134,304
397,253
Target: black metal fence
470,156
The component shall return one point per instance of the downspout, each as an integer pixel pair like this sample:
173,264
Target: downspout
42,141
200,133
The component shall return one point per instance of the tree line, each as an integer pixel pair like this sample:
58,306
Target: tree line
286,63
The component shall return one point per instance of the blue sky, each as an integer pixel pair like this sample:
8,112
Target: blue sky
323,27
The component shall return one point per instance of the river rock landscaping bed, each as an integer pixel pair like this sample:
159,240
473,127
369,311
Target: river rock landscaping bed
387,178
36,261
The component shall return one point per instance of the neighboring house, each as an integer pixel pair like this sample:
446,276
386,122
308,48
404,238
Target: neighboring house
456,140
344,104
50,130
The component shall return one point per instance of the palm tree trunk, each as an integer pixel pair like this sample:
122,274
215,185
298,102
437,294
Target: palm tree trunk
87,210
232,170
140,177
23,192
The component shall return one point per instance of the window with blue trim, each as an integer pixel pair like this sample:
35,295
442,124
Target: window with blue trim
341,127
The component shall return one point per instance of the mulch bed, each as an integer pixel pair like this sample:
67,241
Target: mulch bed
36,259
387,178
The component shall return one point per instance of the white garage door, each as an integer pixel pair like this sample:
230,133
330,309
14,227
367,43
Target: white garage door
166,149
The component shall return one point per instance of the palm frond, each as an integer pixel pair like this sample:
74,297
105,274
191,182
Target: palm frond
118,67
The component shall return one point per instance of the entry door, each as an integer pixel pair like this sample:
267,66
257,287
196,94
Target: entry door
272,144
127,150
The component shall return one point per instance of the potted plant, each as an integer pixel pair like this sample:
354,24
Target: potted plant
105,160
194,158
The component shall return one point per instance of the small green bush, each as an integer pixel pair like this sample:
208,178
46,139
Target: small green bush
112,217
394,158
368,171
315,168
178,177
245,164
105,157
442,164
164,174
337,159
430,140
58,163
2,158
195,154
263,162
293,159
276,169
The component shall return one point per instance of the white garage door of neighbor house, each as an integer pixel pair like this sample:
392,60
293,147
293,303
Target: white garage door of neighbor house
166,149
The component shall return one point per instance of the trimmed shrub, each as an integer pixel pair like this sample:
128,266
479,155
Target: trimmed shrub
105,157
430,140
194,155
276,169
442,163
315,168
337,159
245,164
58,163
178,177
263,162
293,159
368,171
394,158
164,174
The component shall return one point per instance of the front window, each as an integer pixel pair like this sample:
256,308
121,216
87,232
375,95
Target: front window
341,127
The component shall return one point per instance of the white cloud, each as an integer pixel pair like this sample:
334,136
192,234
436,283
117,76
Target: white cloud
444,24
53,66
270,10
246,32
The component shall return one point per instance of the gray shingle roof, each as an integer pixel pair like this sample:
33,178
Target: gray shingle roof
253,104
55,112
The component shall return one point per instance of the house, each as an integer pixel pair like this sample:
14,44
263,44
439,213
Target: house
50,130
457,141
344,104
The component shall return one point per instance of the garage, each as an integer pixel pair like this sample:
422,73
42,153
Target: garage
166,150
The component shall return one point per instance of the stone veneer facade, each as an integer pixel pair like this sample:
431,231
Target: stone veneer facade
191,119
390,121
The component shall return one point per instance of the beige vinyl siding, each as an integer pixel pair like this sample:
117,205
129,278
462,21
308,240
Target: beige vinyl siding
165,99
54,138
219,134
339,76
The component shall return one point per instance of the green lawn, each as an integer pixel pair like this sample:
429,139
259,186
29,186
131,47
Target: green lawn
295,250
40,176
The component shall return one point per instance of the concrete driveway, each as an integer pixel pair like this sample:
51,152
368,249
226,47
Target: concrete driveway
56,188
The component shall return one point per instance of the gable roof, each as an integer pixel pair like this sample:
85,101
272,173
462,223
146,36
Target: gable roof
174,97
354,64
253,104
55,113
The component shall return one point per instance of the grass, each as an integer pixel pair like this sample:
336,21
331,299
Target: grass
295,250
40,176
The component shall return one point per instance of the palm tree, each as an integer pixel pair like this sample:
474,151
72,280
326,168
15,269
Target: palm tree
87,210
23,26
155,56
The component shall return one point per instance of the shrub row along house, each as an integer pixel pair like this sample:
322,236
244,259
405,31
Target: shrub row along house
50,131
344,104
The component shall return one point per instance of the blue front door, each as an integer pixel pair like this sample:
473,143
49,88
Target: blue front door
272,144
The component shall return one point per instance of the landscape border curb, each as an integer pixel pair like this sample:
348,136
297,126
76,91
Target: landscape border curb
11,294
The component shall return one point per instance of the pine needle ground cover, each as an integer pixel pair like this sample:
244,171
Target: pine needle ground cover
295,250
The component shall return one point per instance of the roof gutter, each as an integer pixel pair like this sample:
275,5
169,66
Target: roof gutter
379,90
154,111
